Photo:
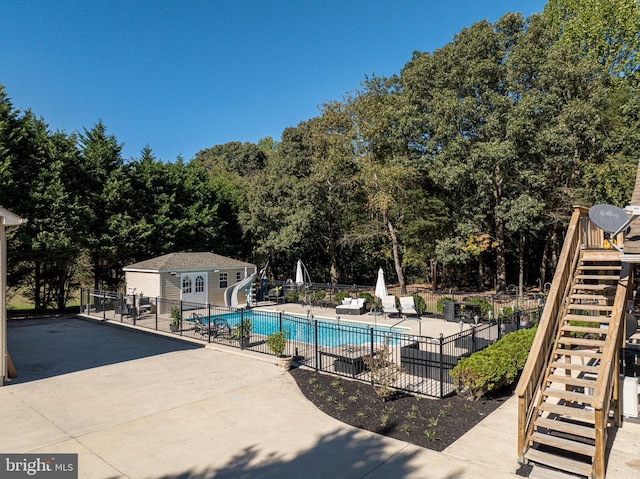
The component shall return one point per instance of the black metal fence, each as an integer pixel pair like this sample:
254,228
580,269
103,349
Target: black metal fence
337,347
431,301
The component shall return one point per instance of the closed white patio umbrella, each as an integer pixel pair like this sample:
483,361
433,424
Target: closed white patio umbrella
381,287
299,276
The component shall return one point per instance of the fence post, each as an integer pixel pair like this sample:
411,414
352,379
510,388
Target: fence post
473,338
493,305
315,342
209,321
499,327
280,321
180,317
157,307
372,352
242,328
441,366
104,304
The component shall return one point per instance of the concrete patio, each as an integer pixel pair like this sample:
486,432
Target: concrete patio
140,405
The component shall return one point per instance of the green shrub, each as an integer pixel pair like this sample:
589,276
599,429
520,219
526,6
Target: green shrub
421,304
277,342
483,304
508,311
495,366
292,296
340,296
318,296
176,316
440,304
370,301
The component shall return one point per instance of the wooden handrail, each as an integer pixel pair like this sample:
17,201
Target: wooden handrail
614,332
608,374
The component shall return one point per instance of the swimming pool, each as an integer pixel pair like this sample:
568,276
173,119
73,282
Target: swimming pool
330,333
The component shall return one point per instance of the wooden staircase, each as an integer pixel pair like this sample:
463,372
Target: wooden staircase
569,397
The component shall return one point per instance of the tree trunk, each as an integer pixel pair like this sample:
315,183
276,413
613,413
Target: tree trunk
332,252
434,272
545,260
501,270
480,272
521,265
95,260
37,287
396,257
554,250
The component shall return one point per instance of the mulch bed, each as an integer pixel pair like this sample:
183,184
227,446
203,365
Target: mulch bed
430,423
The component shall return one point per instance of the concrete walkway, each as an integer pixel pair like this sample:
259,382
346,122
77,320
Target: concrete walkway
138,405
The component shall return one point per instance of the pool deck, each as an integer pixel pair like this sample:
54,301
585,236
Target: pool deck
423,326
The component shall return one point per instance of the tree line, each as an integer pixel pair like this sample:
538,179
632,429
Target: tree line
461,170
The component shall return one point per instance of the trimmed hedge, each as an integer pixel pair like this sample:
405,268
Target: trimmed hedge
340,296
483,305
370,301
496,366
421,304
440,304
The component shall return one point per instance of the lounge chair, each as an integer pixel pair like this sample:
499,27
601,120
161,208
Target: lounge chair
199,325
216,327
408,306
220,327
389,305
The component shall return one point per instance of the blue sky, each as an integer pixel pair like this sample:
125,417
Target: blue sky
182,76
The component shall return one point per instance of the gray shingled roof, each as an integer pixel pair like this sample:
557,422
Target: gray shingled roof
187,261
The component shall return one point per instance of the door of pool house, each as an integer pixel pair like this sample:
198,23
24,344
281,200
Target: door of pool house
194,288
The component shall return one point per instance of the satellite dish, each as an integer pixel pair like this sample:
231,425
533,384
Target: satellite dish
608,218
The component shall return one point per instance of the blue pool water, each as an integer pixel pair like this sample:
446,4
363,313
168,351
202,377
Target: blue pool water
300,329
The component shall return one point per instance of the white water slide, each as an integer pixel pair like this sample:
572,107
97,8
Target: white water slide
231,293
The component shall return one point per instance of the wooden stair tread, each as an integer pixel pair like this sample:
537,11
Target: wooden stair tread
591,307
569,395
584,329
595,343
590,297
575,367
579,353
571,380
589,318
600,255
559,462
593,287
600,267
566,427
598,277
568,412
564,444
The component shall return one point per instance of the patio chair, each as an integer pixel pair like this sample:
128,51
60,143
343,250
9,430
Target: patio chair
389,305
199,325
220,327
408,306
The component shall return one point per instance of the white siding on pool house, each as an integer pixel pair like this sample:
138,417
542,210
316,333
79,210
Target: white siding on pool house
161,277
146,284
